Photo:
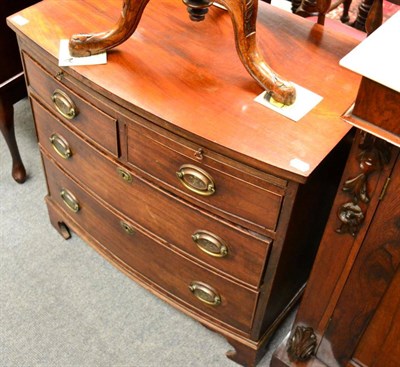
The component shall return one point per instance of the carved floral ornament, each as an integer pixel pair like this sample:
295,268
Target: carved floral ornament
374,155
351,217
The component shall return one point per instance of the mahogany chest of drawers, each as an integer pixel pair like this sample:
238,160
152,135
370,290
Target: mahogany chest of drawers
164,164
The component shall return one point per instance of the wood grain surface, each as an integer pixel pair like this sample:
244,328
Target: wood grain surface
201,87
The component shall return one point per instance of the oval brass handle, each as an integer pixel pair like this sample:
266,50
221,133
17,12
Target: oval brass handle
64,104
60,145
196,180
210,243
125,175
205,293
70,200
127,227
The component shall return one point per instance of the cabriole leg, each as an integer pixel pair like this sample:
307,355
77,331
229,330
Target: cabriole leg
7,129
244,16
95,43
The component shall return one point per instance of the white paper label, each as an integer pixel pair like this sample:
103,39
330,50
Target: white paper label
19,20
305,102
299,164
65,58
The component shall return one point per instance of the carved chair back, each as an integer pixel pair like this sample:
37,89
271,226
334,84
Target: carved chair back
370,15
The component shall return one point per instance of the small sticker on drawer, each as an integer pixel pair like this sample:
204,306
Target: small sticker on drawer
19,20
65,58
299,164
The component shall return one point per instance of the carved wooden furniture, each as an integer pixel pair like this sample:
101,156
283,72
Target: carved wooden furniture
12,85
350,312
390,7
362,14
369,16
243,14
319,8
162,161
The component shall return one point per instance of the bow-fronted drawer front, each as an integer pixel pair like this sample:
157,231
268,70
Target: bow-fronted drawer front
72,107
217,244
137,251
229,189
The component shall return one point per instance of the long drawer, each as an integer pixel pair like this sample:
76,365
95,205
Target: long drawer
197,175
72,108
206,238
181,278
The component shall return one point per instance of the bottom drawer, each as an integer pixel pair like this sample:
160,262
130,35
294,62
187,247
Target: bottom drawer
182,279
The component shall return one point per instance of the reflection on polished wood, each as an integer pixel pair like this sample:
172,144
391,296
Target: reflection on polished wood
243,14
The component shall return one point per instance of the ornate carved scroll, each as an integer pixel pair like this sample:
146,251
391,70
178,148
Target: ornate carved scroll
351,217
243,14
374,154
302,344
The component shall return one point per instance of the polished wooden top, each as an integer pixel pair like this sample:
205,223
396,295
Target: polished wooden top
189,77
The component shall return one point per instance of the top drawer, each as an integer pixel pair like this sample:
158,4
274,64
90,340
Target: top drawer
74,110
253,199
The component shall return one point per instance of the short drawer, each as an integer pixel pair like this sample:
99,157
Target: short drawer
196,174
72,108
208,239
181,279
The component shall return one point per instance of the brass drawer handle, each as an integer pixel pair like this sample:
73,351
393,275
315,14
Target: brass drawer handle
70,200
64,104
60,145
196,180
127,228
210,243
205,293
125,175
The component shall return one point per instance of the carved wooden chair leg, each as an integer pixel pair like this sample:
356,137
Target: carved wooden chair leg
295,5
95,43
244,15
307,8
345,15
362,14
369,16
375,17
7,129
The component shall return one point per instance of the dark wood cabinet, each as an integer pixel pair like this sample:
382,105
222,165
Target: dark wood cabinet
349,315
164,163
